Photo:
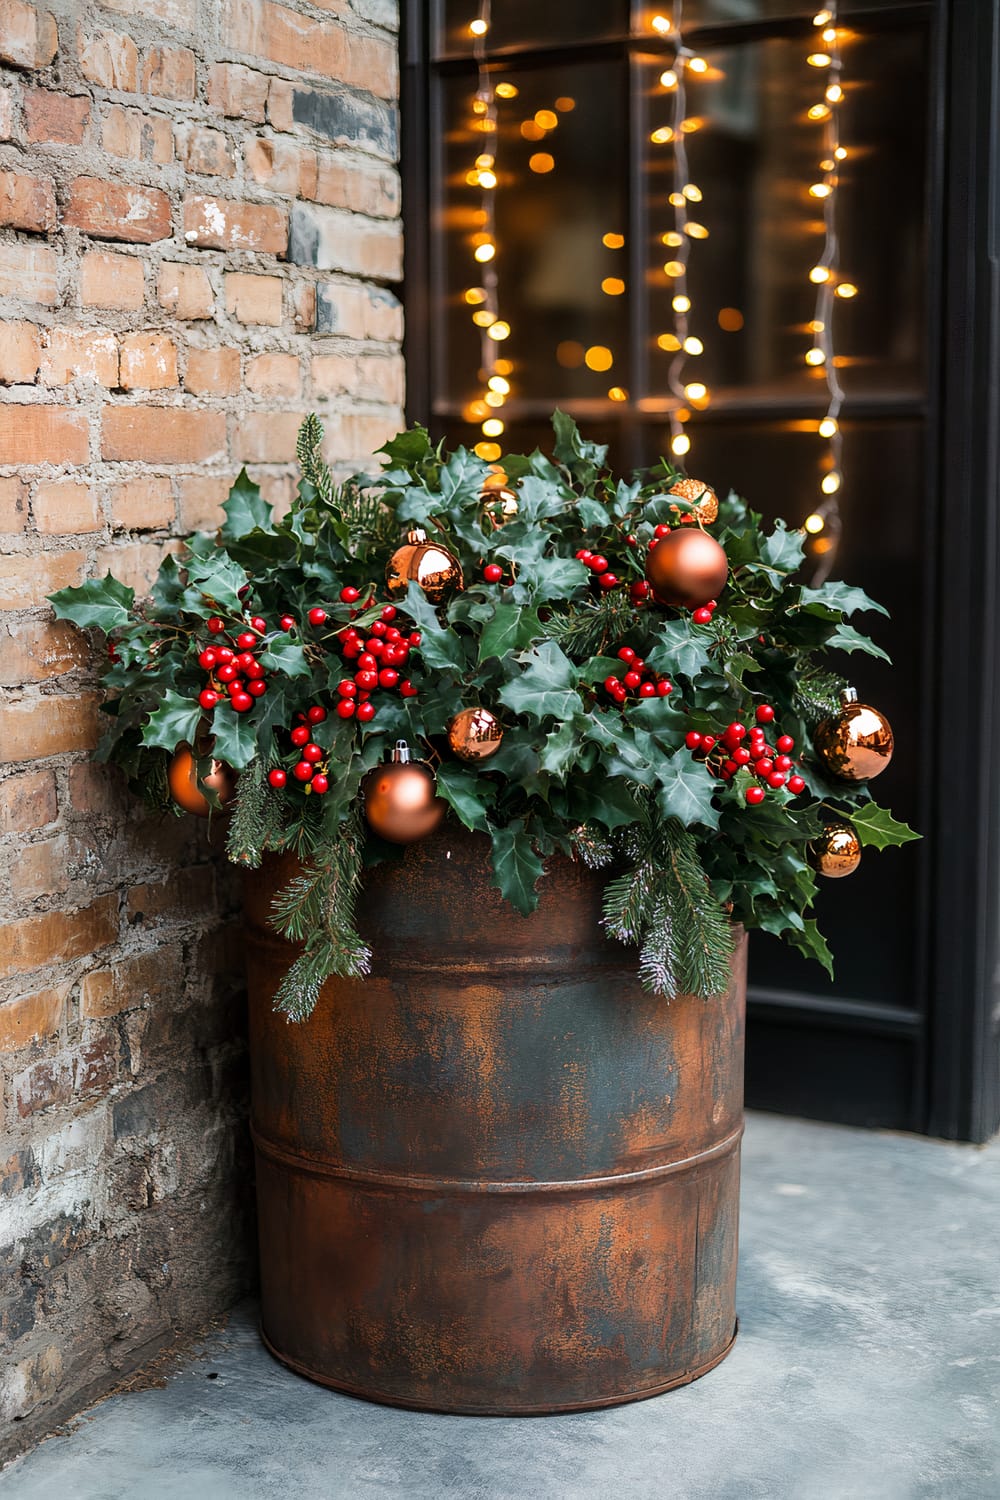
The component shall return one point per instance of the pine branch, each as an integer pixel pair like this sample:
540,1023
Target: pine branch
817,694
593,847
309,452
658,958
256,819
702,928
586,629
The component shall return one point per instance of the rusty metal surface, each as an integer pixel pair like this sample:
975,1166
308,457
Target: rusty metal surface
495,1176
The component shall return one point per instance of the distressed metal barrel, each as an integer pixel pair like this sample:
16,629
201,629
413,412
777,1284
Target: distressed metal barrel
495,1176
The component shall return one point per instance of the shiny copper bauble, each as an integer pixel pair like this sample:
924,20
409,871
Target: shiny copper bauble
687,569
856,742
836,852
428,563
182,778
401,804
499,500
475,734
701,496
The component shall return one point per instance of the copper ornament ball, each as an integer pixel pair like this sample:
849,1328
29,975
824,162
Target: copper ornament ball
401,804
499,500
836,852
855,743
430,564
182,779
701,496
687,569
475,734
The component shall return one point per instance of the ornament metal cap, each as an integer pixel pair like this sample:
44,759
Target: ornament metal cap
416,535
849,695
401,753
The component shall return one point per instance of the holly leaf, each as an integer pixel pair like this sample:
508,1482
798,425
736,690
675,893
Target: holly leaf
440,647
547,686
783,550
548,578
284,655
235,737
876,827
466,793
175,722
408,449
804,934
101,602
685,791
245,509
841,597
846,638
168,588
681,649
516,867
539,499
218,580
572,450
511,629
560,750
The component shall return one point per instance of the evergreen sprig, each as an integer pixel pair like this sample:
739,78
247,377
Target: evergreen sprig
256,819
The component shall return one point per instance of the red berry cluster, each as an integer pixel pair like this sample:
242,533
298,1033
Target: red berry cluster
737,747
311,770
377,659
703,614
637,679
233,669
598,564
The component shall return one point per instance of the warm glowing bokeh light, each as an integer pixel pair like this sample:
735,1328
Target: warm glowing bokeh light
730,319
598,357
570,354
499,330
492,427
613,241
541,162
612,286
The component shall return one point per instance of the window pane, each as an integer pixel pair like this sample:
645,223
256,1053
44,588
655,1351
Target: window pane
704,12
526,23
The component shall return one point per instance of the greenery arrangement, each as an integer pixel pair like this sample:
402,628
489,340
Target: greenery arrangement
618,715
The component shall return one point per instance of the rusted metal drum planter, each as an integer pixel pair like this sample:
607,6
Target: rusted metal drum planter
496,1176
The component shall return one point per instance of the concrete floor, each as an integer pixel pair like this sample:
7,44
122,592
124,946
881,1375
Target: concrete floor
867,1368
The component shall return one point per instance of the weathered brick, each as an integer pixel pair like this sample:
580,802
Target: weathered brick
370,190
182,15
13,505
95,1066
139,137
282,166
134,564
222,224
201,498
44,1084
79,354
108,280
33,650
118,211
27,801
19,1173
169,72
60,936
27,35
367,377
6,114
253,299
273,374
334,240
20,353
64,506
188,896
359,434
162,434
39,727
42,435
142,504
55,119
42,869
23,586
348,120
262,28
27,202
147,978
185,291
96,789
148,362
212,372
266,437
28,272
111,60
280,103
238,92
304,306
28,1017
204,150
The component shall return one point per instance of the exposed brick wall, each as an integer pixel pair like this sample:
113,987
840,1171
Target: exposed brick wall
198,234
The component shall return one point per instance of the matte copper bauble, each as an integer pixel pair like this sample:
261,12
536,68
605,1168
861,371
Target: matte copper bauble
401,804
856,742
428,563
499,500
687,569
182,778
701,496
836,852
475,734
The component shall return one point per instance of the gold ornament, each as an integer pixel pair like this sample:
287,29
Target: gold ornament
499,501
701,496
687,569
400,801
856,742
182,778
836,852
428,563
475,734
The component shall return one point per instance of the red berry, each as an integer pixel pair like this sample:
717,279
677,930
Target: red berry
375,647
785,743
764,767
783,763
626,654
316,714
208,698
796,785
584,555
312,752
277,777
776,779
388,677
407,689
610,684
608,581
287,622
632,679
389,612
232,688
227,672
349,595
241,702
317,616
320,784
208,658
366,711
415,637
303,771
619,693
367,680
741,755
347,688
216,626
224,653
633,541
734,734
638,591
345,708
647,690
259,624
257,689
493,572
391,633
366,662
708,741
246,639
379,629
253,670
664,688
245,659
598,564
692,739
730,768
300,735
765,714
661,531
652,543
352,650
755,794
702,616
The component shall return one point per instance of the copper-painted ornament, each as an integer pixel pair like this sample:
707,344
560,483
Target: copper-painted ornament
428,563
475,734
687,569
836,852
401,804
499,500
701,496
856,742
182,779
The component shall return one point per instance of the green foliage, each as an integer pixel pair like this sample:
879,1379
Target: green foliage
577,772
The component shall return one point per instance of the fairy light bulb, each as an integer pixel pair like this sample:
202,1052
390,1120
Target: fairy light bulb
492,427
497,383
680,444
828,427
484,253
847,289
830,483
695,391
681,303
661,24
499,330
479,27
819,274
698,65
694,346
668,78
813,524
818,60
815,356
834,93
